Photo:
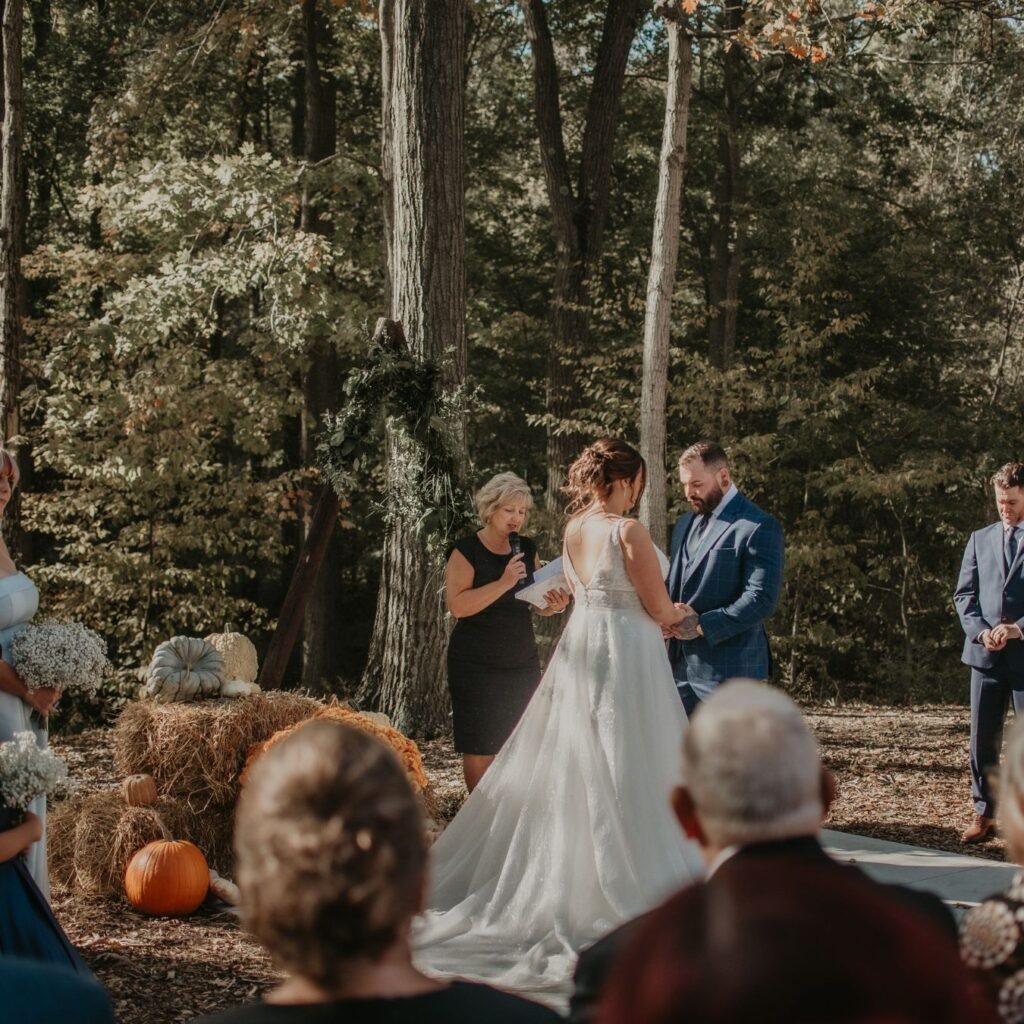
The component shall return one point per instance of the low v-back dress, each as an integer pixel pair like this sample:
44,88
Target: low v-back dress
19,601
570,832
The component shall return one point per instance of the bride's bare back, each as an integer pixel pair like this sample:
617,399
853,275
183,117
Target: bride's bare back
586,538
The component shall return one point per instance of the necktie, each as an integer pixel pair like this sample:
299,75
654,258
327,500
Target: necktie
697,534
1011,546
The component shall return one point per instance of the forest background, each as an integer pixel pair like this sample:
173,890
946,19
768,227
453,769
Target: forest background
203,235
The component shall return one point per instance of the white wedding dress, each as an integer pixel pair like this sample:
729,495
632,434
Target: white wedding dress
570,832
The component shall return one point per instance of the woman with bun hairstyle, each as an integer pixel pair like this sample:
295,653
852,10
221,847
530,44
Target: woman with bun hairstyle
570,833
330,854
493,665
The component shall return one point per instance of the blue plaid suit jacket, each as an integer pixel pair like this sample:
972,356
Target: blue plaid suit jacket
733,582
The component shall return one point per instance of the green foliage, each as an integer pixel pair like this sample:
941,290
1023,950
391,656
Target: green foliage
875,381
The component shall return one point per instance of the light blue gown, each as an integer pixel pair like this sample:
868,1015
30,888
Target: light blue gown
19,600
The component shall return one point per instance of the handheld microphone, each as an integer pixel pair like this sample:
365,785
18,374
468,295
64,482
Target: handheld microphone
516,544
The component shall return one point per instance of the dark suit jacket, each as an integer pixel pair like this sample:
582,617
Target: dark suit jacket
595,962
733,582
986,595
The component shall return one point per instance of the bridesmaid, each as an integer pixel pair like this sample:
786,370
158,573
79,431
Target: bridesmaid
493,665
28,928
19,600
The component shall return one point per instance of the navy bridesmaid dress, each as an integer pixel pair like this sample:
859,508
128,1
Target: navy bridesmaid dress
28,928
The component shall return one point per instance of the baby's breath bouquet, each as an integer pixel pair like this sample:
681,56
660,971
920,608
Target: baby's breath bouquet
64,655
26,772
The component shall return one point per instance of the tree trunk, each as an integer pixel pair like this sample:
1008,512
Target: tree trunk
11,236
321,647
405,676
662,276
386,24
579,209
727,234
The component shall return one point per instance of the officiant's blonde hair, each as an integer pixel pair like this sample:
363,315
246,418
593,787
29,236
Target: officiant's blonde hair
752,766
499,489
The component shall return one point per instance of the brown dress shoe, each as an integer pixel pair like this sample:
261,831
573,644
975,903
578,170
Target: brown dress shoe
981,829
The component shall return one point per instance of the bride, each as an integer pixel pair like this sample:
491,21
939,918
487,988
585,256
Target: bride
570,833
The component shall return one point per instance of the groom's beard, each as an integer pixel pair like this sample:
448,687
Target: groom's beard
706,505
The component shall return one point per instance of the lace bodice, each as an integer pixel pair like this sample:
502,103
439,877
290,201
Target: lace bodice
610,586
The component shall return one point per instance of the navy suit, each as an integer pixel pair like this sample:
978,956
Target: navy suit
732,578
989,593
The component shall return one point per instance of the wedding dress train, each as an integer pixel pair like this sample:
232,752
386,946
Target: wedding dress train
570,831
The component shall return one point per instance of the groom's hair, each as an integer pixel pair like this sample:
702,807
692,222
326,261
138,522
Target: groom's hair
1010,475
711,453
752,766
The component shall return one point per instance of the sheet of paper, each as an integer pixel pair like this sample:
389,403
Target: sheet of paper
546,578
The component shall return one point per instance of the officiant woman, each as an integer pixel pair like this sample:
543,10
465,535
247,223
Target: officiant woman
493,665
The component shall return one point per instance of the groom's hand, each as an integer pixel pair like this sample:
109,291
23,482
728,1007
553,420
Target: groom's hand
1006,631
991,640
688,627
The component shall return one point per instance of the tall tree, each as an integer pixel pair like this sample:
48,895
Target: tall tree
579,207
321,649
424,52
662,274
11,224
728,229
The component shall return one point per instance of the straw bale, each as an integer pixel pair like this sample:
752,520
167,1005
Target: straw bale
92,838
61,820
196,750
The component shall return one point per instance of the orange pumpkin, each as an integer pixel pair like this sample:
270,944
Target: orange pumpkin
139,790
167,878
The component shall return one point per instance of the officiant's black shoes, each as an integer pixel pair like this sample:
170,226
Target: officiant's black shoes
981,829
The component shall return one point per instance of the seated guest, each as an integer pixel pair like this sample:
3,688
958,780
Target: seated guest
794,943
331,857
28,928
755,793
992,934
32,992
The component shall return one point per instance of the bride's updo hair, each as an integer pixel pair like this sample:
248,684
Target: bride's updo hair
598,467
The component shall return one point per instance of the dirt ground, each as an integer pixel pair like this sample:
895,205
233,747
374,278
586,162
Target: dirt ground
902,776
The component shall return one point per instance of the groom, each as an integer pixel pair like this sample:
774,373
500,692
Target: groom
727,558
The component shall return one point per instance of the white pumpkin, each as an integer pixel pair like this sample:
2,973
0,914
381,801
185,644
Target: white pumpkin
183,668
240,661
224,889
238,688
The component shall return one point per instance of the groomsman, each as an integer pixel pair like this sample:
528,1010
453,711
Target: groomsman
726,564
989,599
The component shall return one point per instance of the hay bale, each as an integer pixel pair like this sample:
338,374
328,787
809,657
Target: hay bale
97,835
60,839
108,832
196,751
213,831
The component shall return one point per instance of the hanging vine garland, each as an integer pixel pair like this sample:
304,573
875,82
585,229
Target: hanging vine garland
422,486
407,391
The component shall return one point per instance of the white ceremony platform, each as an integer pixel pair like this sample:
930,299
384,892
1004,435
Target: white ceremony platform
961,880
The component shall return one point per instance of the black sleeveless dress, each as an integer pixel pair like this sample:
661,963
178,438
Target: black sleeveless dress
493,665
